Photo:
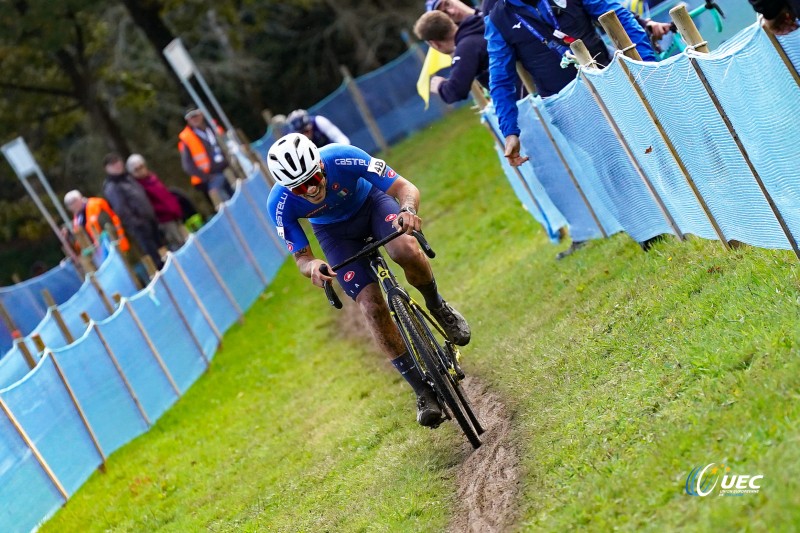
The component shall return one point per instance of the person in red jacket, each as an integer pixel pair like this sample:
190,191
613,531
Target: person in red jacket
166,206
92,215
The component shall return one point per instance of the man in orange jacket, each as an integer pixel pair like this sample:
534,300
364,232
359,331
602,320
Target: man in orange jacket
92,215
202,157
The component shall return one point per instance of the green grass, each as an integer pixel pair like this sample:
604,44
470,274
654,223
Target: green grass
622,370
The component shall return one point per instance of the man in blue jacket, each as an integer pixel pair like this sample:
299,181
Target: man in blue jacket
466,44
538,34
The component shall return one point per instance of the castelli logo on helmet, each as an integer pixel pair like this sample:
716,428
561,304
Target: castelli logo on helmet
350,275
391,217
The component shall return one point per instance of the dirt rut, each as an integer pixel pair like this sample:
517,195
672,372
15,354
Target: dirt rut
487,478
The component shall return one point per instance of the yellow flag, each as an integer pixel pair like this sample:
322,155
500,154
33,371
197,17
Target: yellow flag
434,62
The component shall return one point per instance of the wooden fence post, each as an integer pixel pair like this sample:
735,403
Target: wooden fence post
247,251
185,321
101,293
197,300
363,109
150,345
9,322
117,366
34,450
219,279
26,354
623,41
692,36
39,343
582,53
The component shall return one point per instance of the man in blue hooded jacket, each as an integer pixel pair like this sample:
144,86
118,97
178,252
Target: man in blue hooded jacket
538,34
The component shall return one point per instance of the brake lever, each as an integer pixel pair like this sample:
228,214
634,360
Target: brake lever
423,242
333,298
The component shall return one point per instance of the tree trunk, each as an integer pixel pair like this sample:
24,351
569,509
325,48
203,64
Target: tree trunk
146,14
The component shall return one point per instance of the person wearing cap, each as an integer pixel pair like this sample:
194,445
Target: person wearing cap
91,215
128,199
453,28
319,129
166,206
202,157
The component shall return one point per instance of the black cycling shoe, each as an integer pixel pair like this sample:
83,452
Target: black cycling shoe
429,414
452,323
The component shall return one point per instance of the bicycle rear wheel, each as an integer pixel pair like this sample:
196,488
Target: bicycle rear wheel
427,351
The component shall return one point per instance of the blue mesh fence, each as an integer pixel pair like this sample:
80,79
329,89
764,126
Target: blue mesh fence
101,391
138,361
114,277
791,45
763,124
534,197
390,94
43,407
619,188
183,338
221,241
176,344
25,303
202,327
552,173
257,228
696,129
27,493
124,376
13,366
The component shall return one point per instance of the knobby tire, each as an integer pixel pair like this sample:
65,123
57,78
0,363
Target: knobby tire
424,346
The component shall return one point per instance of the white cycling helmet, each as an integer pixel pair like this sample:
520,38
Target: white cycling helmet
293,159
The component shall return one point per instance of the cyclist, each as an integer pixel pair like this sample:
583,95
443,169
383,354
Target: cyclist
319,129
349,196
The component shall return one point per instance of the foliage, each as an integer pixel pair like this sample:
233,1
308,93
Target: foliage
84,77
624,371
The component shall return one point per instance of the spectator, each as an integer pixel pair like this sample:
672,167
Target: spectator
92,215
167,208
538,35
202,157
319,129
130,202
780,16
462,37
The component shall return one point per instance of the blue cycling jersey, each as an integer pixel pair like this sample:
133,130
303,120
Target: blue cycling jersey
350,172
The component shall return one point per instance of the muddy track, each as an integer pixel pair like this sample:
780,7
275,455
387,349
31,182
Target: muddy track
487,478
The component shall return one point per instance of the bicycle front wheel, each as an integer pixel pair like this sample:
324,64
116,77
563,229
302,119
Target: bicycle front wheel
426,352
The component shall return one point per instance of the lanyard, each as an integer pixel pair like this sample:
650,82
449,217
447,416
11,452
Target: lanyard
559,49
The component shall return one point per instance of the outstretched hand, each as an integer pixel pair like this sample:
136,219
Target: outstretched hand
512,151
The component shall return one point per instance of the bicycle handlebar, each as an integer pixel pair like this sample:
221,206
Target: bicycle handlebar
333,298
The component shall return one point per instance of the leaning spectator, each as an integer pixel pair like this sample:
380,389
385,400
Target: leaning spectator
319,129
202,157
539,37
166,206
460,36
91,215
130,202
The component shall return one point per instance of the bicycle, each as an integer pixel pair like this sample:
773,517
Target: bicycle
434,355
677,45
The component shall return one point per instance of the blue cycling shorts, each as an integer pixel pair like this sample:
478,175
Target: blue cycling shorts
342,240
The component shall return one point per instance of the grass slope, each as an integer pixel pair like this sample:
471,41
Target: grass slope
623,371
